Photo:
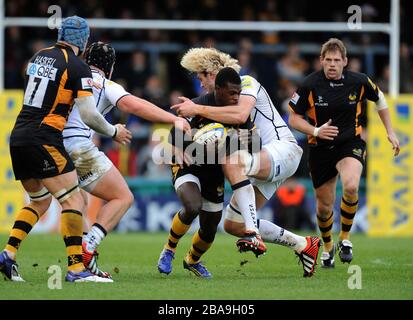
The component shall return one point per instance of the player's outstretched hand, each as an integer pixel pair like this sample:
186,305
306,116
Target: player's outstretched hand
123,135
183,125
186,108
326,131
395,142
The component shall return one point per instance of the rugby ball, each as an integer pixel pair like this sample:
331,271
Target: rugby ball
211,133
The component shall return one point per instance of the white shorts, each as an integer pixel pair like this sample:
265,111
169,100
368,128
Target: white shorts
286,157
206,204
91,164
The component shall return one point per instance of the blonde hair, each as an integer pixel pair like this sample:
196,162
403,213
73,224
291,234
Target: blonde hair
334,44
209,60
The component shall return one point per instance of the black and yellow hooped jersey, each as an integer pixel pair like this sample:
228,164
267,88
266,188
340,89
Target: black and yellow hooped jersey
54,77
321,99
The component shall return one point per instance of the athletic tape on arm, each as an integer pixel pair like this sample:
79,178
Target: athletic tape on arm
381,103
92,117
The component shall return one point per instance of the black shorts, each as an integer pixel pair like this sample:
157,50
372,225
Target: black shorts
40,161
322,160
211,178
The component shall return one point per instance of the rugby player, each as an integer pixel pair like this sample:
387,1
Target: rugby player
278,159
97,174
332,98
200,186
55,78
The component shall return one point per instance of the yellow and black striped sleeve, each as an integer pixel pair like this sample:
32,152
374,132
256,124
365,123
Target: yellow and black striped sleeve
371,89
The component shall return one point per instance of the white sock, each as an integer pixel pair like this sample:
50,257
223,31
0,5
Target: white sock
270,232
244,196
94,237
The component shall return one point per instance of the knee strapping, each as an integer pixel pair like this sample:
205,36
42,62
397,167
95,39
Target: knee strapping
64,194
39,195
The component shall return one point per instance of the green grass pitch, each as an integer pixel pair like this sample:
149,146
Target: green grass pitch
386,272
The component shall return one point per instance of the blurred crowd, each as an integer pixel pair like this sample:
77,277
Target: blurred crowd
148,60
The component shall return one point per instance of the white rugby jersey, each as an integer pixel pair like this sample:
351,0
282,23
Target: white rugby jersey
268,121
107,93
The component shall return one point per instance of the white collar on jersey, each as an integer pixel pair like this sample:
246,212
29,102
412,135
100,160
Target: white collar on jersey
94,69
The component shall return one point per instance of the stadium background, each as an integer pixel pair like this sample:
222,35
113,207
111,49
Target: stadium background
148,66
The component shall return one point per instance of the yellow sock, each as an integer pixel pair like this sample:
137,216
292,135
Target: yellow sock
178,229
348,211
199,247
325,226
72,230
25,220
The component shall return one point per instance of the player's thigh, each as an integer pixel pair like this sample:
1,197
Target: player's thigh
190,196
212,188
188,189
67,180
111,185
32,185
264,165
322,164
91,163
52,165
279,160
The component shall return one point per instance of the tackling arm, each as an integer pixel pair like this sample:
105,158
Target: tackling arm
145,109
236,114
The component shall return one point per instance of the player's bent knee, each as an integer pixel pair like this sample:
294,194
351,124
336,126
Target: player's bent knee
192,208
129,199
324,211
351,190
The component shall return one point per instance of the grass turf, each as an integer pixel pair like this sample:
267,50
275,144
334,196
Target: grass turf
386,272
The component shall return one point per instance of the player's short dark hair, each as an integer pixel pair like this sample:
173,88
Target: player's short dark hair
227,75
